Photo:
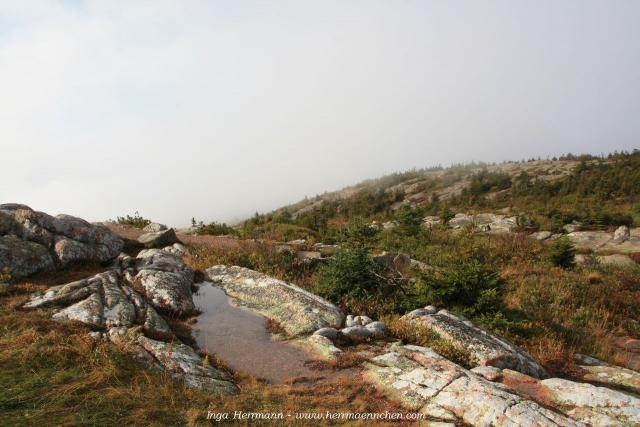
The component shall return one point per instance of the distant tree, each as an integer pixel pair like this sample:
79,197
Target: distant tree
409,220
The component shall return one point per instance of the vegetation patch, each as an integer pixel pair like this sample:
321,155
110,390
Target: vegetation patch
135,221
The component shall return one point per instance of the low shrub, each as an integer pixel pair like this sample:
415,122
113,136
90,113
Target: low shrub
467,287
562,253
212,229
351,272
134,220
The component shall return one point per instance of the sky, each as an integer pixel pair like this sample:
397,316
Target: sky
218,109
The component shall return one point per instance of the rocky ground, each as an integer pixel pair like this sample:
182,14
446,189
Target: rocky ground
132,301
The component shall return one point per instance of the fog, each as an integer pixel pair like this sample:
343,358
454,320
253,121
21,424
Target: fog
218,109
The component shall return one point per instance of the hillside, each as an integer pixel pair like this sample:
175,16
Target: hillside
598,192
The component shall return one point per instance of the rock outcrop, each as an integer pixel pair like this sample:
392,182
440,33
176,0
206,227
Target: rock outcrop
399,263
164,280
623,240
622,234
32,241
159,239
435,386
487,349
619,260
487,222
298,311
599,372
122,305
587,403
489,396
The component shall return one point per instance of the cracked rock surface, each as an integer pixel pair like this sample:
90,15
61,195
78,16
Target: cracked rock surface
298,311
486,348
433,385
124,302
32,241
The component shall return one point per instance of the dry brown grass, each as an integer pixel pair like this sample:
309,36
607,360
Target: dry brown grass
578,310
413,333
53,373
262,257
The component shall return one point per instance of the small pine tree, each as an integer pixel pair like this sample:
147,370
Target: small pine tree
562,253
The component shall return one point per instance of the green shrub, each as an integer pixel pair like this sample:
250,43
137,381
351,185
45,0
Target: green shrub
468,287
351,272
359,231
409,220
5,276
279,232
562,253
446,215
486,181
134,220
212,229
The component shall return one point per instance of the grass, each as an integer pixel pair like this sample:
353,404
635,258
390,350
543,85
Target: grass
413,333
261,257
53,373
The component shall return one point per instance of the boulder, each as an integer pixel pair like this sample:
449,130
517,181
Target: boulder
154,227
622,234
298,311
437,387
589,240
321,345
487,222
182,361
165,280
493,223
309,256
629,244
362,328
358,333
389,225
32,241
326,250
398,262
167,291
602,373
486,348
21,258
298,244
571,228
159,239
461,220
358,320
330,333
541,235
430,221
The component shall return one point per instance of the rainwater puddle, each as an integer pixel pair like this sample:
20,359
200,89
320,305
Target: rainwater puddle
239,337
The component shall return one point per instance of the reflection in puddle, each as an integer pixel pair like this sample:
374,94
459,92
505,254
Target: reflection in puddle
239,337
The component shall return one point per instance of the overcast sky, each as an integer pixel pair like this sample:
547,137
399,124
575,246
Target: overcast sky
216,109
